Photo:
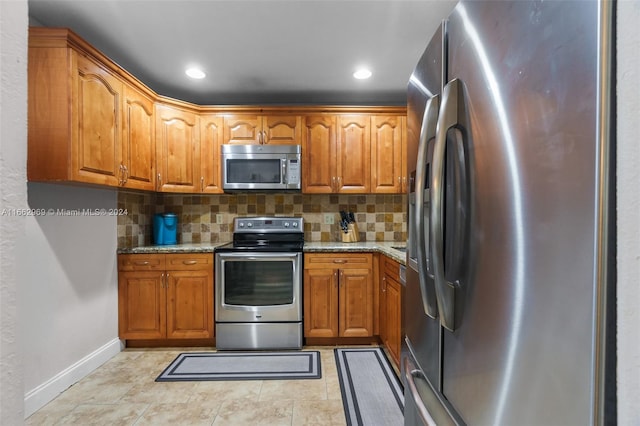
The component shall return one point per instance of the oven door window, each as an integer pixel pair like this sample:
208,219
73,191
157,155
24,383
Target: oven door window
258,283
254,171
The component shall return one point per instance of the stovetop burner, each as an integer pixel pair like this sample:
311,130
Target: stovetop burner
266,234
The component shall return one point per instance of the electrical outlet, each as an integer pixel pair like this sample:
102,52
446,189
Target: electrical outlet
329,218
218,218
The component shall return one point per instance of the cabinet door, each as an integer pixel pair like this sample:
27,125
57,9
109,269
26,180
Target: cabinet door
211,134
393,304
242,129
383,310
96,137
356,300
319,155
139,141
320,303
354,154
282,130
141,304
190,304
386,154
178,150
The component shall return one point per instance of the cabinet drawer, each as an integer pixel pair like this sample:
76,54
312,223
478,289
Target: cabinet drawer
189,261
391,268
141,262
338,260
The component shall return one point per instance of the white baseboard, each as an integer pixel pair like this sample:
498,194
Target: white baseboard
46,392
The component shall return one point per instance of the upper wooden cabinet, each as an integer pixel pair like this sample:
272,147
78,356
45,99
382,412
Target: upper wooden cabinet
353,154
319,154
92,122
211,135
178,149
139,141
336,151
353,165
258,129
86,123
388,174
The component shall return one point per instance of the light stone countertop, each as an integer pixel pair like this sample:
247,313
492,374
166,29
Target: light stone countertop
384,247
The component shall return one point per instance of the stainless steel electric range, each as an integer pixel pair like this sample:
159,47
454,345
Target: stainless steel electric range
258,285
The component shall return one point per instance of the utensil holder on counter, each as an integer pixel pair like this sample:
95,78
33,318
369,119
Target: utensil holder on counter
351,236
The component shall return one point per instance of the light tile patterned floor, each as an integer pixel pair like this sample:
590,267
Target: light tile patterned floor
124,392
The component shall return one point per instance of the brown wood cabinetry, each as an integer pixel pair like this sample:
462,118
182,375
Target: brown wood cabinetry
139,141
178,149
86,123
338,295
257,129
390,307
387,154
353,154
211,134
165,296
92,122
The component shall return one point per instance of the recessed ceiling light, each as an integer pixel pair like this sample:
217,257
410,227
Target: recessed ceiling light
195,73
362,74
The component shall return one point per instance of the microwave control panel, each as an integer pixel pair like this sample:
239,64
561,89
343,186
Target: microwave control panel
293,174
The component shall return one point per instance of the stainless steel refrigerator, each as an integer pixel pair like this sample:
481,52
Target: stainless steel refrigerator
510,298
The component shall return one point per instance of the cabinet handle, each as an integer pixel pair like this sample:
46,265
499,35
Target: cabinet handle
141,262
264,138
121,180
166,280
201,183
189,262
339,260
339,182
162,280
384,284
333,183
125,174
159,183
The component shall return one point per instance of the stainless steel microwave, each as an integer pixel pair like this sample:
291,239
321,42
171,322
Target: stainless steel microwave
261,167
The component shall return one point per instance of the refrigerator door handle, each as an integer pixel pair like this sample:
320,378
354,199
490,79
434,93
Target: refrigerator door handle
427,133
450,117
411,373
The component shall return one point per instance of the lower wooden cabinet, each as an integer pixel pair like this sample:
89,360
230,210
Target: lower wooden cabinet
338,295
390,307
165,296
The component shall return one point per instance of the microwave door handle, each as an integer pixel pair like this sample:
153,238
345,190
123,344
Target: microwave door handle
284,171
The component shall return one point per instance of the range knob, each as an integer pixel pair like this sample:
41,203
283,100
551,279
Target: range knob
286,224
295,224
241,225
249,225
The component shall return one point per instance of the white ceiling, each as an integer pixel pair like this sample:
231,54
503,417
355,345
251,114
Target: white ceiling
258,51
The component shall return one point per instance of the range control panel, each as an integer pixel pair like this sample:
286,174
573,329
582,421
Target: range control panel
268,224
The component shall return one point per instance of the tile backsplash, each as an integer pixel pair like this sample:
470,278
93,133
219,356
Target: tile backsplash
209,218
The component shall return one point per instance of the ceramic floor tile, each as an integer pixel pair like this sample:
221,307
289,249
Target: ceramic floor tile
261,413
111,414
192,414
124,391
223,391
293,389
330,412
162,392
50,415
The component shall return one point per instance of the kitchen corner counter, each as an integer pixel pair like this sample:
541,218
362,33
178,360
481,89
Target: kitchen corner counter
173,248
384,247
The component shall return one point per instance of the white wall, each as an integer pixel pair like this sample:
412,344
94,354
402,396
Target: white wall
68,291
13,150
628,168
